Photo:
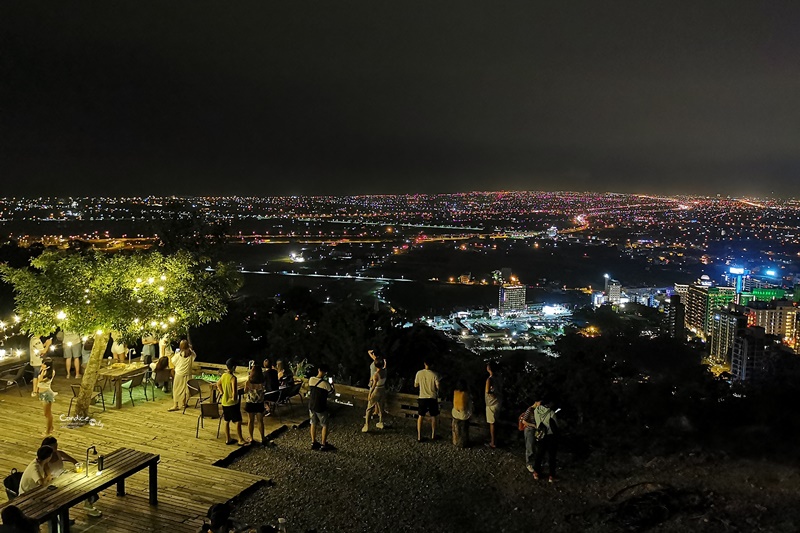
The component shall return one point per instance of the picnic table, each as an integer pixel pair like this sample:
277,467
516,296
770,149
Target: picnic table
118,374
45,504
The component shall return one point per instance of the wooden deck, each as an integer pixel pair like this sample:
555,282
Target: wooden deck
189,482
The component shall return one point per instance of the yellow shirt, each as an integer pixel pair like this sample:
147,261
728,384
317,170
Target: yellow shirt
228,393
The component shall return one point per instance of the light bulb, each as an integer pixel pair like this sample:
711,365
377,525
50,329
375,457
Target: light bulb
61,315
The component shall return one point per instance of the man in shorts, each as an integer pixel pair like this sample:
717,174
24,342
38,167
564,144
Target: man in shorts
427,381
318,389
231,409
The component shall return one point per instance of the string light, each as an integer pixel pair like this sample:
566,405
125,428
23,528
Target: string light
61,315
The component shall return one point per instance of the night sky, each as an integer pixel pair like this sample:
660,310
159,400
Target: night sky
263,98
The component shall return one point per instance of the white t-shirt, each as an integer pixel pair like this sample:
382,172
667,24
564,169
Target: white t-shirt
71,338
183,365
36,352
33,474
428,383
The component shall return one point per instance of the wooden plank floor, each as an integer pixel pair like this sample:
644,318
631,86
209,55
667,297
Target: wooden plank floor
188,481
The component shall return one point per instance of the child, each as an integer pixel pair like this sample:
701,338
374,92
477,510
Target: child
46,394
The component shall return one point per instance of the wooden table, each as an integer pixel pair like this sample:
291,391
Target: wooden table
241,381
44,504
118,375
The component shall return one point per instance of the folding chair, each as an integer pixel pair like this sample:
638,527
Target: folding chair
76,389
136,380
12,379
208,410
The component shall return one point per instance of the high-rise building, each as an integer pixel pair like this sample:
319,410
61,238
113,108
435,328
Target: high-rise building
675,316
512,298
725,325
703,301
614,292
777,317
682,290
748,354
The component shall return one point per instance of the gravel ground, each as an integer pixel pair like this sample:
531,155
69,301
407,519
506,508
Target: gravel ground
386,481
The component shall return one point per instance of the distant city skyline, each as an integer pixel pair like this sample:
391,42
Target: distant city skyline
277,99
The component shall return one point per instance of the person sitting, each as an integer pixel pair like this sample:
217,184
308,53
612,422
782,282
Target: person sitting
220,516
15,521
285,375
162,373
37,474
56,467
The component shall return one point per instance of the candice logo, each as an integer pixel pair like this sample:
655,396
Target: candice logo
74,421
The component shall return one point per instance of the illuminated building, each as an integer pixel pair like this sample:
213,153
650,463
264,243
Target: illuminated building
747,354
778,318
725,325
702,302
512,298
614,292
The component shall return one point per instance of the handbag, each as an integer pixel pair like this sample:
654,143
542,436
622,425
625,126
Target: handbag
521,422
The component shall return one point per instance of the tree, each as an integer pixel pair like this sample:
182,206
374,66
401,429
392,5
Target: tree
135,295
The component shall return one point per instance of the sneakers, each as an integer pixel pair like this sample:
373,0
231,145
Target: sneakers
550,479
379,425
315,445
92,510
535,475
328,448
365,429
530,468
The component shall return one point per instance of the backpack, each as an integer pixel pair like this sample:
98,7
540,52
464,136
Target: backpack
88,344
11,484
318,398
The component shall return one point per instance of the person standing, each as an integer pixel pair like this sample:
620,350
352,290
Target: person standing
377,391
182,361
462,412
271,384
231,408
318,389
46,394
149,349
254,401
427,381
56,467
72,352
118,348
38,349
493,396
539,417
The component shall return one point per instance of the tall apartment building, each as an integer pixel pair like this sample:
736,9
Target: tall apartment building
725,325
512,298
614,292
703,301
748,354
777,317
675,317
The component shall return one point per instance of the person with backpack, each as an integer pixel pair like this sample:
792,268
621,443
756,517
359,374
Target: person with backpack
318,389
541,435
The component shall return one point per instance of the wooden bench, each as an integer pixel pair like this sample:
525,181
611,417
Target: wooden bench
44,504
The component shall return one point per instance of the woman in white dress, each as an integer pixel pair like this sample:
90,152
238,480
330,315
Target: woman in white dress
182,361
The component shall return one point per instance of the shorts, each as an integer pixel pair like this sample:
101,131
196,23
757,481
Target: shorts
491,413
428,405
318,419
376,399
47,396
232,413
254,407
72,352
